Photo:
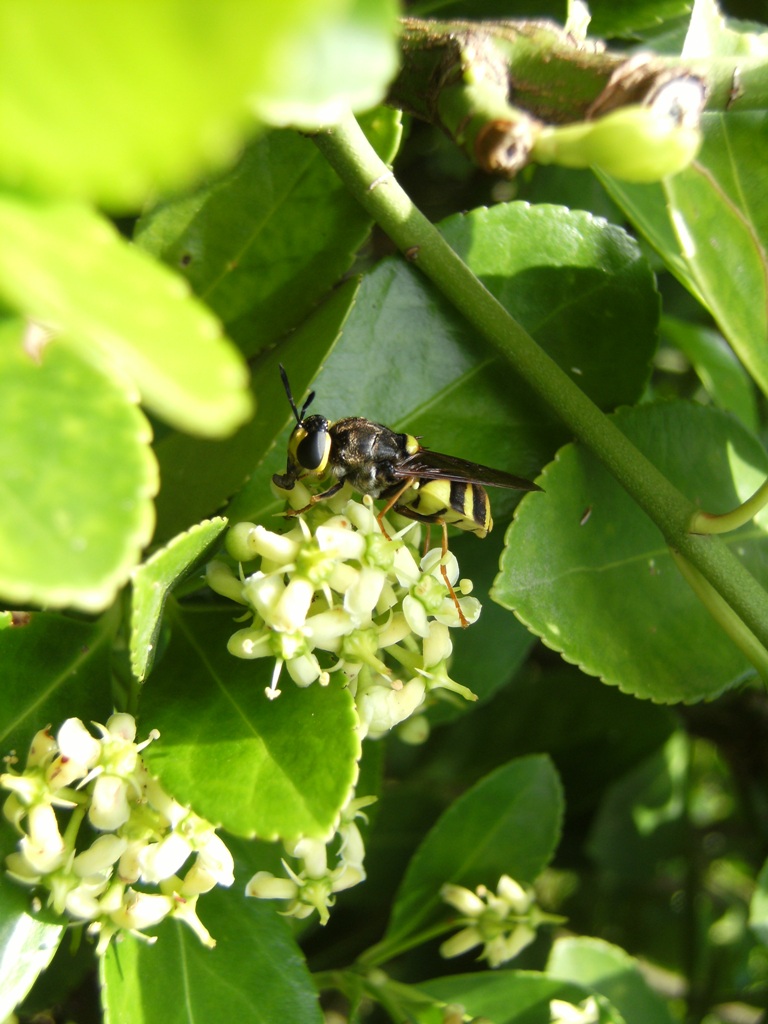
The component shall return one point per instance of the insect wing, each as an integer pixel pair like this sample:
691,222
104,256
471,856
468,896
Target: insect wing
429,465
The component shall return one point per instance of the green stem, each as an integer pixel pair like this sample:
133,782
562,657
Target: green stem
729,621
374,186
385,951
708,522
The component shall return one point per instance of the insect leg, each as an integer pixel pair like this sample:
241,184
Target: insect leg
429,519
444,571
392,503
315,498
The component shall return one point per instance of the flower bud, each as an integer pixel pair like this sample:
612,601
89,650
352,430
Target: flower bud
633,143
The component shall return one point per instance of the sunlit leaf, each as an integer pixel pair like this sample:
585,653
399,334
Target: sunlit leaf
274,769
76,483
587,571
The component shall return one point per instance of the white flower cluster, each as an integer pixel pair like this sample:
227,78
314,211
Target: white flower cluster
503,923
335,594
146,836
314,885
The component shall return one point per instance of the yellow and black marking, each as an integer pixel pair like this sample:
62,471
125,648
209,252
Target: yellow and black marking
460,504
420,484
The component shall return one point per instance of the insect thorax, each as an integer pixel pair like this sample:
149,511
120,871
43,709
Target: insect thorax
367,454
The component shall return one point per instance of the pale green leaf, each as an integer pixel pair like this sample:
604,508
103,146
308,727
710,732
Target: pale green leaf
199,475
508,823
27,946
612,972
110,101
587,571
76,478
246,244
153,581
710,226
66,268
515,997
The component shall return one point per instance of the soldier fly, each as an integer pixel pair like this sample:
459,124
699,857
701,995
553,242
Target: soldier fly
414,481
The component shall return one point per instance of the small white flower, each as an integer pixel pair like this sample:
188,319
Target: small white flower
77,745
185,910
464,900
43,846
140,910
101,855
562,1012
109,804
381,708
162,860
502,922
290,611
42,749
362,597
214,856
266,886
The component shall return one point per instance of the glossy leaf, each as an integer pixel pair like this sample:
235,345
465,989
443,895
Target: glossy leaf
408,360
154,580
198,476
272,769
514,997
612,972
53,668
589,573
508,823
64,266
710,217
244,240
111,101
489,654
641,819
329,58
76,482
255,973
27,946
758,909
720,372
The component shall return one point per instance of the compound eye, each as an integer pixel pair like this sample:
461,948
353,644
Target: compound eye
312,451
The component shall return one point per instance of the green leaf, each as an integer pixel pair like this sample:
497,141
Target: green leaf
256,972
331,57
720,372
642,817
273,769
109,102
27,946
592,733
245,243
408,360
65,267
489,654
53,668
154,580
724,187
612,972
588,572
513,997
76,482
508,823
758,908
199,476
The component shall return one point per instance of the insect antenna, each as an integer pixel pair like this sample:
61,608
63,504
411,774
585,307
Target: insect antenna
310,397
